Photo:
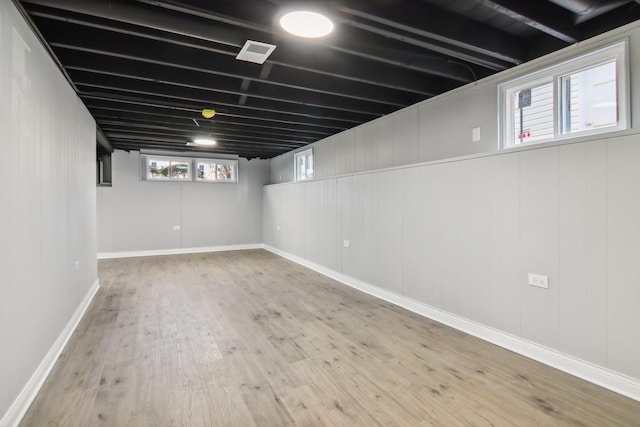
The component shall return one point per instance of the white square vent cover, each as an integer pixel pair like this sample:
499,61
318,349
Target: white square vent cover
257,52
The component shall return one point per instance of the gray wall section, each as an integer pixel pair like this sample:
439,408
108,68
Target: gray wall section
136,215
462,234
440,128
47,193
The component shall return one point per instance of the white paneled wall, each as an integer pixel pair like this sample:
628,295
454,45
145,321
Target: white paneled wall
47,207
462,237
136,215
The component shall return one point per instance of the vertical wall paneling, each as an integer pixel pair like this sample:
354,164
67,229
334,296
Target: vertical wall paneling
539,199
47,220
623,268
346,152
208,214
417,260
462,235
405,135
512,277
389,228
596,255
484,239
573,248
345,195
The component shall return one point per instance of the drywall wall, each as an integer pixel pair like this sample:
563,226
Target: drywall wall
441,127
136,215
47,194
460,231
462,237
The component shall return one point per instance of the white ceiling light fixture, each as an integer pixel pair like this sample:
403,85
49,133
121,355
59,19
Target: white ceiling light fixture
206,142
305,23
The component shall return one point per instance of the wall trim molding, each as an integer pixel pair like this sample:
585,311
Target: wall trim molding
26,397
179,251
603,377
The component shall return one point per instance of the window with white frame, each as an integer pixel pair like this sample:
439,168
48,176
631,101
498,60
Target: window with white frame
167,168
163,168
216,170
303,162
582,96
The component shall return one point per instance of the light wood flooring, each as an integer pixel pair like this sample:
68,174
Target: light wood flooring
250,339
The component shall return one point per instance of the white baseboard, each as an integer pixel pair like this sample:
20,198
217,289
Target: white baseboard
614,381
20,406
179,251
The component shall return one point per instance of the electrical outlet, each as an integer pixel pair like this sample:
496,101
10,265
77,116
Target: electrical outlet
176,228
277,228
475,134
538,280
346,243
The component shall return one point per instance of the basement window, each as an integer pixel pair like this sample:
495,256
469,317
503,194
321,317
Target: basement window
303,164
163,168
216,170
167,169
583,96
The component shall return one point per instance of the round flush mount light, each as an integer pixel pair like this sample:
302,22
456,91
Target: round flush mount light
205,141
305,23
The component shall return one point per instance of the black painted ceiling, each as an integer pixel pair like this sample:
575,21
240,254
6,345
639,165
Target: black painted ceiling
147,68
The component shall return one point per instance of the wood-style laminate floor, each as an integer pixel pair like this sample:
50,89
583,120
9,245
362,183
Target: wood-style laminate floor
250,339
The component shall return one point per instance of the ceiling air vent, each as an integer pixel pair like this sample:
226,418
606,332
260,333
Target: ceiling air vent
257,52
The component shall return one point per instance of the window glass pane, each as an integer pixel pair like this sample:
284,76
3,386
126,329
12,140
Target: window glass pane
533,114
206,171
179,170
225,172
304,165
158,169
589,99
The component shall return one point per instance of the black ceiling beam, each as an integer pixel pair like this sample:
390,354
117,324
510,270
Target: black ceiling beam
180,144
117,45
373,49
218,101
266,116
98,64
189,134
187,125
227,143
457,33
610,20
146,108
136,115
546,17
313,58
460,54
135,145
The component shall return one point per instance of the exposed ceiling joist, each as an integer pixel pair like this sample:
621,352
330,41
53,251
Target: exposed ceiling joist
551,19
312,58
456,33
146,69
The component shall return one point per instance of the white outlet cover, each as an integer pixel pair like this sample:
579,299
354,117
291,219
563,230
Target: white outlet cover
346,243
539,280
475,134
176,228
278,227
